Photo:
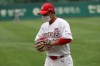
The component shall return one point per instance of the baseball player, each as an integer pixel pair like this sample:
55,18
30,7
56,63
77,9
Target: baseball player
54,38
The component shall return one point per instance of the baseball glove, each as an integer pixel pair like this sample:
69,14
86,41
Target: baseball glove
42,45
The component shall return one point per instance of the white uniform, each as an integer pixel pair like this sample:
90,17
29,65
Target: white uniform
58,29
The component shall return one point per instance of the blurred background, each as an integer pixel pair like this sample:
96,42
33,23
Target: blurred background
27,9
19,24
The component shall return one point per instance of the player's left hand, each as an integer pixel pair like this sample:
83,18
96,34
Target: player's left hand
42,46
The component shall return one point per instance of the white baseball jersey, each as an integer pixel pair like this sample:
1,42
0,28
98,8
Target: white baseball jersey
58,29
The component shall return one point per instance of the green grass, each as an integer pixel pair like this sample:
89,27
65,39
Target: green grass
17,39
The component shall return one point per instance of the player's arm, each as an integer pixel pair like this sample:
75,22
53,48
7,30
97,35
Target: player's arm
40,41
39,35
60,41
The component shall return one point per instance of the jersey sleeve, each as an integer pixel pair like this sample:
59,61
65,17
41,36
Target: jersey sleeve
39,34
65,30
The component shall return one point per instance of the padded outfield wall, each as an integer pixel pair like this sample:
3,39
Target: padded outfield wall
70,9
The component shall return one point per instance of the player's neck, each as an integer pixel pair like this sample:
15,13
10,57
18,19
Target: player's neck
52,20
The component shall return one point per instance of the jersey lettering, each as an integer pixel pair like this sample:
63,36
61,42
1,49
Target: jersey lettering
54,34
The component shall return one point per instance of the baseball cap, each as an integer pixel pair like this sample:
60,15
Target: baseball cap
46,8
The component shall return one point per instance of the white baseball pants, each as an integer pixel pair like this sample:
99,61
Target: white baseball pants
65,61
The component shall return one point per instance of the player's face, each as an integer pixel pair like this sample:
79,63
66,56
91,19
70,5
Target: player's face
46,17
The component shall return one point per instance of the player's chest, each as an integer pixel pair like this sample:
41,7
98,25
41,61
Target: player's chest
52,31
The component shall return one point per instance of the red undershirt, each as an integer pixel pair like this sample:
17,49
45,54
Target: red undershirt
63,41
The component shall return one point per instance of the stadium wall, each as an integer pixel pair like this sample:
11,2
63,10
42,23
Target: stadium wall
70,9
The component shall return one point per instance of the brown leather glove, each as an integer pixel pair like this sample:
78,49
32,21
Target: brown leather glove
42,45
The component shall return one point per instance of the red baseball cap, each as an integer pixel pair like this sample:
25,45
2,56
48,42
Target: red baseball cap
46,8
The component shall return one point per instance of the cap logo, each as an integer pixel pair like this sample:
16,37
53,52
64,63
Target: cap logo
42,7
50,8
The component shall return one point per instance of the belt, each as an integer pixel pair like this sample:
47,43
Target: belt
56,57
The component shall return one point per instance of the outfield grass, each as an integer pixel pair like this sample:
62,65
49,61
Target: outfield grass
17,39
